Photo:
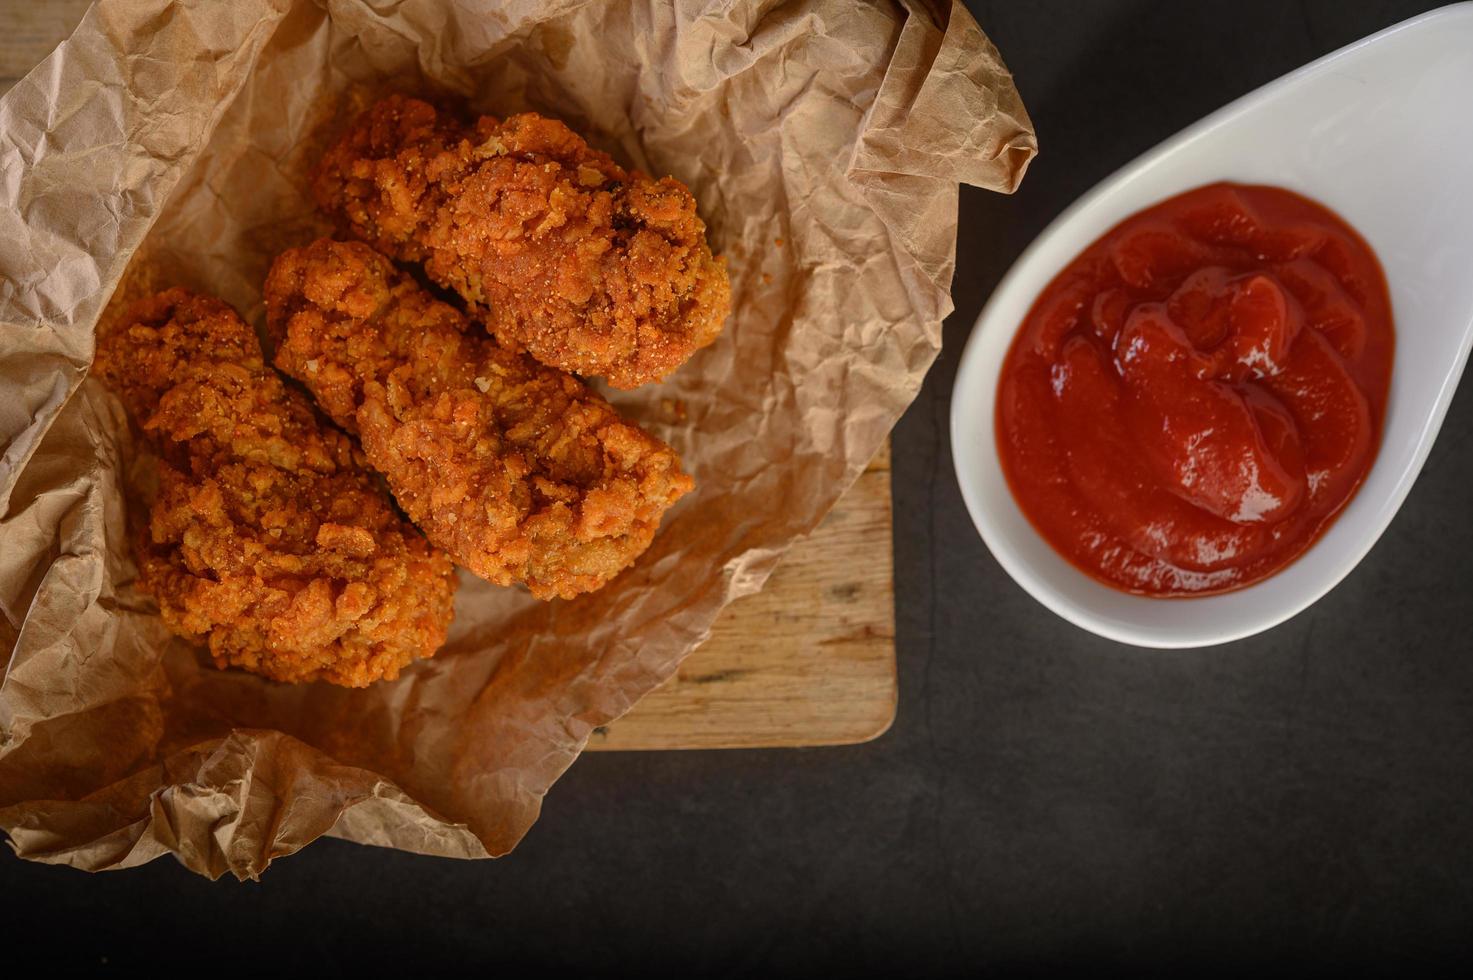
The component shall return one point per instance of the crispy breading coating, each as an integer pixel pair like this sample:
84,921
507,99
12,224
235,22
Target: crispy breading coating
588,267
518,470
268,540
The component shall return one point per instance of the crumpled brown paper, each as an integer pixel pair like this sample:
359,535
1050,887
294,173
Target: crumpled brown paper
824,140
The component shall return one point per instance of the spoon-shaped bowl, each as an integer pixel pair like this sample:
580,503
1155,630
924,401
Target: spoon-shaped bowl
1380,132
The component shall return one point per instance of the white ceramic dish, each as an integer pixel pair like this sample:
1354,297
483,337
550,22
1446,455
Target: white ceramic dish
1380,132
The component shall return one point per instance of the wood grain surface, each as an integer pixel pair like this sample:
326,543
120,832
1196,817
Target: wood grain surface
808,661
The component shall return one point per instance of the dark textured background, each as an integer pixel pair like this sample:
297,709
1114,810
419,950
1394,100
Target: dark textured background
1045,797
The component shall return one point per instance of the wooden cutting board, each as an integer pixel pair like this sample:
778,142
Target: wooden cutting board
808,661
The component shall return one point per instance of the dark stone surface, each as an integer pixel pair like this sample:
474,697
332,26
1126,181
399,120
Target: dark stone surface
1045,797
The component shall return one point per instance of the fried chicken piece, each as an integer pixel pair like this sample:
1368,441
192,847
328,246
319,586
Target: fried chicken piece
588,267
518,470
268,540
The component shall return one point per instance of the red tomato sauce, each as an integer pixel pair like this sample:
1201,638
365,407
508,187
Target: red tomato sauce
1193,399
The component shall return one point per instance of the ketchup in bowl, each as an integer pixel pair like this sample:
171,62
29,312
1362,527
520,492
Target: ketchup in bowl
1193,399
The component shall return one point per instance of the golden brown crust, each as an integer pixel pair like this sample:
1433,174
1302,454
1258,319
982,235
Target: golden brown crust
519,471
268,540
588,267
